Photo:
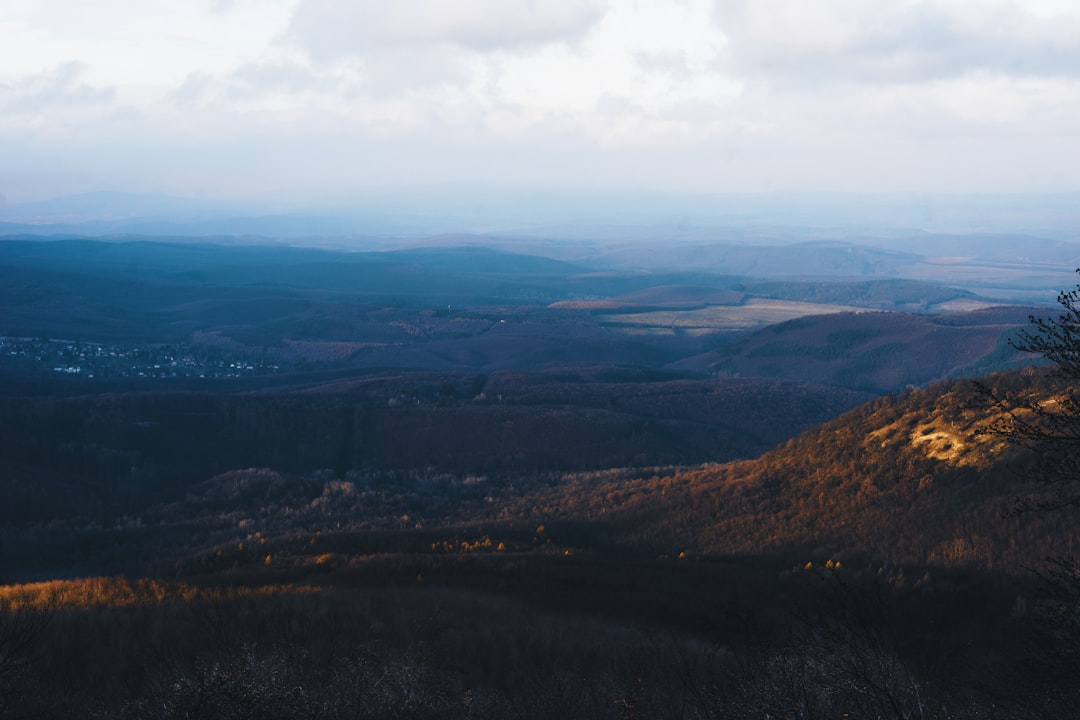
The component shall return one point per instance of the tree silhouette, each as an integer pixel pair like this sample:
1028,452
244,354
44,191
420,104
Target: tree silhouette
1044,416
1046,419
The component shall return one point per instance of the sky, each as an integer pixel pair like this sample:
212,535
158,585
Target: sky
321,100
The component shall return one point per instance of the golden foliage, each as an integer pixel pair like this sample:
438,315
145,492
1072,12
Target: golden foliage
115,592
483,543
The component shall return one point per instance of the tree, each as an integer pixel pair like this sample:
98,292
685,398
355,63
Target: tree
1046,418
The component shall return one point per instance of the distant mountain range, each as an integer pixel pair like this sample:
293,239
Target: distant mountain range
556,214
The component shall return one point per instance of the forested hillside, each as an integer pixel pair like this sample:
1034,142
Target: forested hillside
879,536
236,494
912,479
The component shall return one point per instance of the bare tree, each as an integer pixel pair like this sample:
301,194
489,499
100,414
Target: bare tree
1046,419
1044,416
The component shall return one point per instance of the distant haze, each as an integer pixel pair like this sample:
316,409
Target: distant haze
488,214
289,104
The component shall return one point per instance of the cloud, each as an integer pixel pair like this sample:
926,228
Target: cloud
195,88
331,29
644,76
58,88
232,95
275,77
268,84
849,41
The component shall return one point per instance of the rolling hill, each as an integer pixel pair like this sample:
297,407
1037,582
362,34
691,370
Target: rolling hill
234,490
863,564
872,351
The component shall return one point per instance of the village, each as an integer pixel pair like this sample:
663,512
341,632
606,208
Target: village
100,360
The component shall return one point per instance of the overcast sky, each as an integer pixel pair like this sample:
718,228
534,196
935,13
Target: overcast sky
319,99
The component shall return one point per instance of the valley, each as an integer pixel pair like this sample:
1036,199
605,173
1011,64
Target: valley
458,481
539,360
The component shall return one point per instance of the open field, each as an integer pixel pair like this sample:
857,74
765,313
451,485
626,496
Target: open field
755,313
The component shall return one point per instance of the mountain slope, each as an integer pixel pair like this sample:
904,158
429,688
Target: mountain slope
902,480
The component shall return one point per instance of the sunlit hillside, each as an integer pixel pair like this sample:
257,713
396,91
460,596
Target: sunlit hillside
907,480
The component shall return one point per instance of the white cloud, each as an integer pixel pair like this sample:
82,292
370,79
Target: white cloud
58,90
694,94
197,86
630,82
792,43
330,29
